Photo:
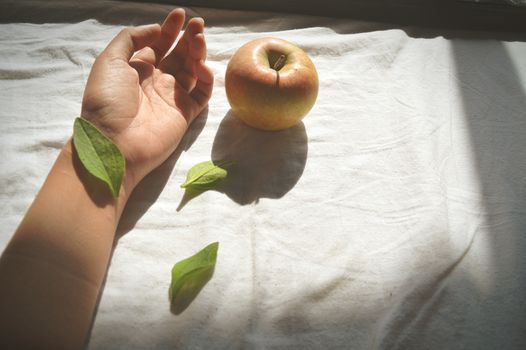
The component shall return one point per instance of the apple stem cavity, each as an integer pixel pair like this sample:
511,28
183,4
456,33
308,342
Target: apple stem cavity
279,63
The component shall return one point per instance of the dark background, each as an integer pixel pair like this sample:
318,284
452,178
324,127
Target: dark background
493,15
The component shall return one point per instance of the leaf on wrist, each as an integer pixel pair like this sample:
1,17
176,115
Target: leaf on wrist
191,274
98,154
206,175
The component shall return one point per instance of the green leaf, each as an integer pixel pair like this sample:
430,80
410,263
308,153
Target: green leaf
99,155
191,274
206,175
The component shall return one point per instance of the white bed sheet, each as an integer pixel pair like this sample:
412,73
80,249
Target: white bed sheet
393,217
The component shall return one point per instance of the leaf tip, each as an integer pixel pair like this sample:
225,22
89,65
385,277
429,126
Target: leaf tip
213,247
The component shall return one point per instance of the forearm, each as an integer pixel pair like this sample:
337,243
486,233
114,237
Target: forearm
52,270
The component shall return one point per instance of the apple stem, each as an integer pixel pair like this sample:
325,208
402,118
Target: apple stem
279,63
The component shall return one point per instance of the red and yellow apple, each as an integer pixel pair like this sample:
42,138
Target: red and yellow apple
271,84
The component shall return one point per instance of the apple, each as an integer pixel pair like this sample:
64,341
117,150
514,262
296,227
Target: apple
271,84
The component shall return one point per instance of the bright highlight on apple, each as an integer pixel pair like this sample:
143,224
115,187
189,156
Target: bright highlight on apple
271,84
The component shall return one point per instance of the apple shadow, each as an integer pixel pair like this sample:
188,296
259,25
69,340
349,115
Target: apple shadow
149,189
268,164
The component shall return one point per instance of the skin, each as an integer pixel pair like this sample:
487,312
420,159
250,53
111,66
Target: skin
144,98
266,98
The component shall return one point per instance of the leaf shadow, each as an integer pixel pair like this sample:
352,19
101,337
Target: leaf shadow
268,164
189,292
149,189
189,194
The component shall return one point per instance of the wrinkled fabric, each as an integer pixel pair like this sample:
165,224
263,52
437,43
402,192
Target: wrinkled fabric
392,217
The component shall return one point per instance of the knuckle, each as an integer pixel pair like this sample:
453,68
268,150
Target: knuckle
127,31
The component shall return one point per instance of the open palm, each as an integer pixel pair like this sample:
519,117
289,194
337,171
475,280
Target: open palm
145,101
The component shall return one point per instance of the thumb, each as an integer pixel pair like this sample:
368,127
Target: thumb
132,39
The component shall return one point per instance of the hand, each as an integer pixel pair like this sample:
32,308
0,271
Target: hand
145,101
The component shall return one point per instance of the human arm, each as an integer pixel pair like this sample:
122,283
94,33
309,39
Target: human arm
53,268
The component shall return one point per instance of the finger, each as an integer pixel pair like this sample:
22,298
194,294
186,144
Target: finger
197,47
202,91
186,75
195,26
185,79
169,31
176,58
131,39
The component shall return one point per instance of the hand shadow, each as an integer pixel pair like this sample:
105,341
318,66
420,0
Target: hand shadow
149,189
267,163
